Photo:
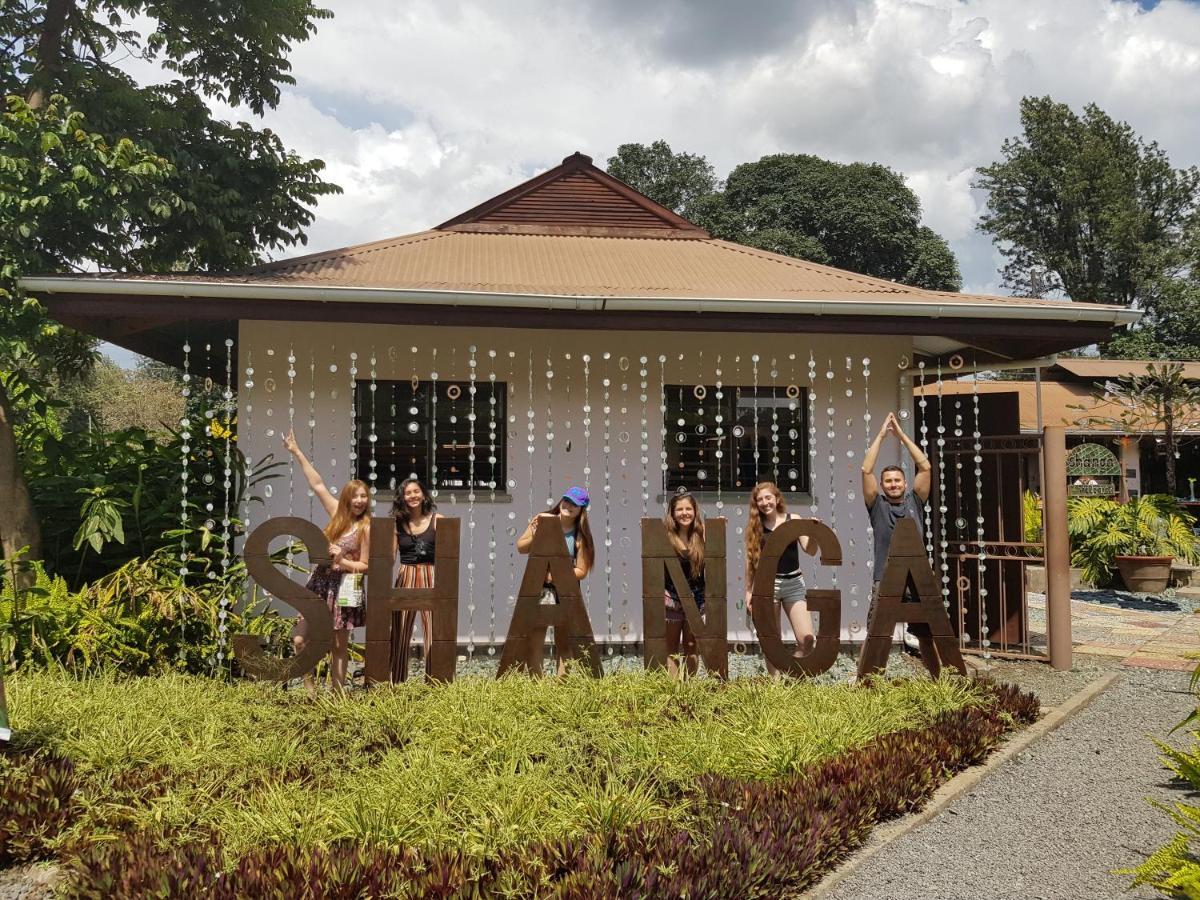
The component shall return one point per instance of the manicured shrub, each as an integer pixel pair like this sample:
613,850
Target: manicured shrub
480,766
1024,706
764,838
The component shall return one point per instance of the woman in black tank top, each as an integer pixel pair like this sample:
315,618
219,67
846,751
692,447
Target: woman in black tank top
416,544
768,512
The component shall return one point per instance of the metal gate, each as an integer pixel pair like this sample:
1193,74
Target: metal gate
988,544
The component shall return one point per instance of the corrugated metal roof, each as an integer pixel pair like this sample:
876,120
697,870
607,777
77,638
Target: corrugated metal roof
577,232
586,266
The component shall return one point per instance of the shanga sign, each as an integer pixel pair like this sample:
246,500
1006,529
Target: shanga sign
906,577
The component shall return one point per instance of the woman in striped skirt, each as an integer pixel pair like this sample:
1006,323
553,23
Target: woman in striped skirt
416,544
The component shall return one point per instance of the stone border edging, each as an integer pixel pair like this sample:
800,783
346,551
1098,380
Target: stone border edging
960,784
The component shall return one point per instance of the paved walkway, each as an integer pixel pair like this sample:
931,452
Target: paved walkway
1145,637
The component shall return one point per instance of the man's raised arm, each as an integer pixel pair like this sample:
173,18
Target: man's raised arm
870,485
921,480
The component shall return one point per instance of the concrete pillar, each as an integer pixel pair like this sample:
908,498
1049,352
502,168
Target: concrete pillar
1131,461
1057,545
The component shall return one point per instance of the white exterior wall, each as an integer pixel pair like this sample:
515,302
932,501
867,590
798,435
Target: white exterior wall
1131,461
263,410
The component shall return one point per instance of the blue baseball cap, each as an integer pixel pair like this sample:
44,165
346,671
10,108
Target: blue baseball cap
578,496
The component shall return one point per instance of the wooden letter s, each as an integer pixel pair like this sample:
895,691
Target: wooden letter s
319,620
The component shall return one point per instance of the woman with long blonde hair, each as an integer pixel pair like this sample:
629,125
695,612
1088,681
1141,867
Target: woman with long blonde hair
768,512
685,533
349,535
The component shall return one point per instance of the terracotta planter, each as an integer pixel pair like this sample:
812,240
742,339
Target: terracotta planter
1145,574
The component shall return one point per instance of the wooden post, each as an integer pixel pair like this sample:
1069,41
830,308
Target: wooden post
1058,546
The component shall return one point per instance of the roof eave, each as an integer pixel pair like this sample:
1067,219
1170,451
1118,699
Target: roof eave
811,306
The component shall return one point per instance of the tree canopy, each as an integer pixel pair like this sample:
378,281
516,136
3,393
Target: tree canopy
99,171
857,216
675,180
1083,205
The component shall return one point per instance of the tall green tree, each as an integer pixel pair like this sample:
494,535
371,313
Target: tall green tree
1170,328
99,171
675,180
856,216
1083,205
860,216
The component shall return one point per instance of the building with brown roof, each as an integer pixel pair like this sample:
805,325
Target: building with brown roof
1074,392
571,331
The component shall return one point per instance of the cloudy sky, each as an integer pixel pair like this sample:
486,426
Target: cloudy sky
423,109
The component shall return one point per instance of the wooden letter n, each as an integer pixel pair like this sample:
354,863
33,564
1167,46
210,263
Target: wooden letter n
526,636
907,572
441,600
318,620
820,600
712,628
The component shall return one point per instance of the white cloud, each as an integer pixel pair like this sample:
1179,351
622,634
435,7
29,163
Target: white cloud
424,109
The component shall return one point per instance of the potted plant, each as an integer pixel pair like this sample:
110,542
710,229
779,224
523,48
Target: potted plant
1139,538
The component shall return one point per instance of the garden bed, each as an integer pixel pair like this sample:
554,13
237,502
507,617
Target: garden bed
631,784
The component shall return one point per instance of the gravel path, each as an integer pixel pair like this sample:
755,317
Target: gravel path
34,882
1053,822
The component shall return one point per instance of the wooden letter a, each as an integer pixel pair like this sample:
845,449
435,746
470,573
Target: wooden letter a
573,637
907,571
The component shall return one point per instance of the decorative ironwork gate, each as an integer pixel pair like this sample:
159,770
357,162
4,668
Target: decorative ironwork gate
986,534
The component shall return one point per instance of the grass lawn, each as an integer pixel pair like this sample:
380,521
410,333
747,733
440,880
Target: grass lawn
477,769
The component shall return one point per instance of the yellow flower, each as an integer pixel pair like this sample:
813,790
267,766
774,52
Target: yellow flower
219,431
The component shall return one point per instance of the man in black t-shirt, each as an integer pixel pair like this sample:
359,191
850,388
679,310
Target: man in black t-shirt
889,497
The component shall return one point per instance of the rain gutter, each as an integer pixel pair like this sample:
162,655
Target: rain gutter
132,287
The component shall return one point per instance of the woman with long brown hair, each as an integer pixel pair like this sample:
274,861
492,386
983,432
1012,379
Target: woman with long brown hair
685,532
768,512
415,542
349,535
572,514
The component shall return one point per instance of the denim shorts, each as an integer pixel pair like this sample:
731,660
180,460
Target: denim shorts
790,590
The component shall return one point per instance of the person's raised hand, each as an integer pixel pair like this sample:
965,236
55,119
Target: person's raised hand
289,442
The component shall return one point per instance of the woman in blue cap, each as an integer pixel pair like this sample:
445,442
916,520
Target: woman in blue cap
573,517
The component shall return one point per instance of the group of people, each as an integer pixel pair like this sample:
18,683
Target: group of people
888,499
